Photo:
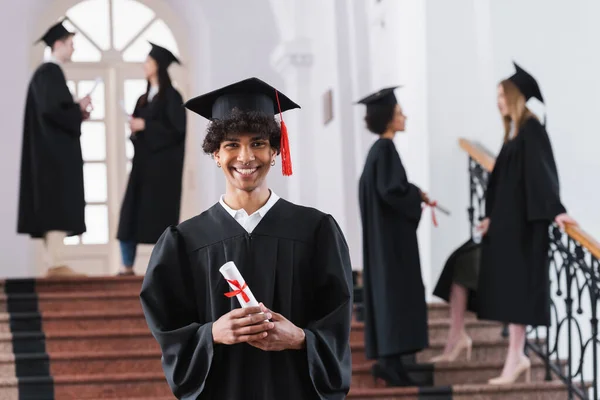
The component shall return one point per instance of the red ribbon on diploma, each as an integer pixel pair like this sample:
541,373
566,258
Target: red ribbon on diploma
433,217
240,290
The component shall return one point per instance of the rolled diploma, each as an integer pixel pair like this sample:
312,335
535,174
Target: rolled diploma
230,272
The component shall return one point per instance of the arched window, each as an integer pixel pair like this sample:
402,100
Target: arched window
110,46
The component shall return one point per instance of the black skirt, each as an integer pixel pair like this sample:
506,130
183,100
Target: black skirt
462,268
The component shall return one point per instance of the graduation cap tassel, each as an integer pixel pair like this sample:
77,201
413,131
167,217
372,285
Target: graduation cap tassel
286,160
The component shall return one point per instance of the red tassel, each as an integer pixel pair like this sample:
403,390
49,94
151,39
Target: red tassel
286,159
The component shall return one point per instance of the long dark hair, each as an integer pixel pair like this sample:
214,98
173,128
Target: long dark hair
164,83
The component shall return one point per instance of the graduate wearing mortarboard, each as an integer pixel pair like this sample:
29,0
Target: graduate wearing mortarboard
294,259
522,200
158,127
394,294
51,198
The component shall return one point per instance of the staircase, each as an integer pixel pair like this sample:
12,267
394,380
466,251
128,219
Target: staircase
86,338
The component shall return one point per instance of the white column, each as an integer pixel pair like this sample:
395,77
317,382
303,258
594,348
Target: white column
293,60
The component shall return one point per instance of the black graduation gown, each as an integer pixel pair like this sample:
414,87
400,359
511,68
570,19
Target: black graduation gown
153,196
466,256
51,194
394,294
522,200
296,262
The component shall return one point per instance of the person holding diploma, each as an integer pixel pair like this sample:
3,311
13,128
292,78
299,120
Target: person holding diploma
390,206
522,200
294,259
51,197
158,127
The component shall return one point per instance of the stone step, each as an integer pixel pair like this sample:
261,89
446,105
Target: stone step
123,362
73,321
72,284
553,390
127,319
435,310
75,363
447,373
493,349
101,300
439,328
106,340
79,387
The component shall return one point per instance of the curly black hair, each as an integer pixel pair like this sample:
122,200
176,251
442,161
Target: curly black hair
242,122
379,117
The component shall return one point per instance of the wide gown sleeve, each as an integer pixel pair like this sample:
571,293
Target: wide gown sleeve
393,186
56,102
169,131
168,303
540,176
328,334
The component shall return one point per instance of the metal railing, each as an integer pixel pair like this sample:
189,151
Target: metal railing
570,345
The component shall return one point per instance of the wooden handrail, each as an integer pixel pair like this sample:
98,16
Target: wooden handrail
487,160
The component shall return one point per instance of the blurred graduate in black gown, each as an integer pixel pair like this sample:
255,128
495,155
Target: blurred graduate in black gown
158,127
522,200
391,206
51,197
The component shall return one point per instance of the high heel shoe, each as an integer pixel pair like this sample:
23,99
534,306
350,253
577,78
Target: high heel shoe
524,366
465,343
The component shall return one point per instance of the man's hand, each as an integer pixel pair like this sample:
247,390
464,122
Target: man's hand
241,325
137,124
85,103
425,198
284,335
85,115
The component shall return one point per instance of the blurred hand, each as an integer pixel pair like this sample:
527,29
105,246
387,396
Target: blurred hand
425,198
564,219
137,124
85,104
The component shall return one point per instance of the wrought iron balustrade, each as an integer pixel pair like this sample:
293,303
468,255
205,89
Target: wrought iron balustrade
570,345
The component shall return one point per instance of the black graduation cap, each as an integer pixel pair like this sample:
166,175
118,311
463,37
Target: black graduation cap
163,57
526,83
54,33
250,94
383,97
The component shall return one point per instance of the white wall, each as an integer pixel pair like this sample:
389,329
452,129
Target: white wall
15,257
461,103
398,56
559,47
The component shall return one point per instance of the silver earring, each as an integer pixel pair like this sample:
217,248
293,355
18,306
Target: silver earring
218,164
273,163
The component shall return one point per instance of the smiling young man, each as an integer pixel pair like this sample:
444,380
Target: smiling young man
295,260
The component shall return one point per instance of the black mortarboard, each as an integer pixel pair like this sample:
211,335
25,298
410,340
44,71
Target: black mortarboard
383,97
54,33
250,94
162,56
526,83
